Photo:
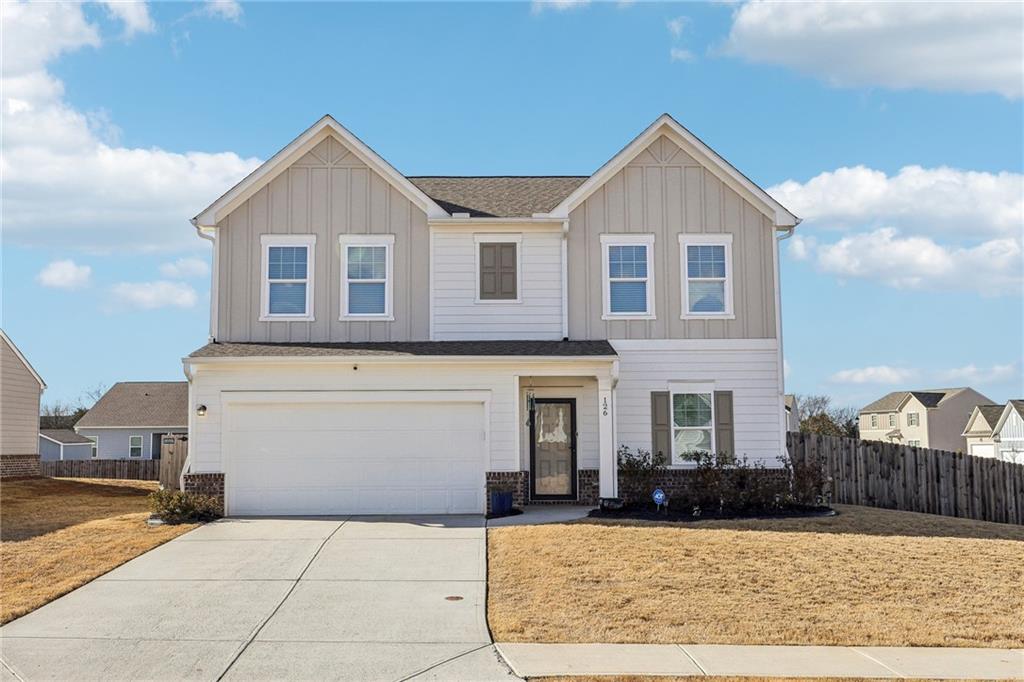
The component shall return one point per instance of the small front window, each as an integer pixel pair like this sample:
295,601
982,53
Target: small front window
366,282
914,443
135,446
287,277
692,424
874,421
913,419
95,448
628,276
892,420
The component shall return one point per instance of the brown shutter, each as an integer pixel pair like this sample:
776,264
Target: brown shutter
661,425
723,422
498,271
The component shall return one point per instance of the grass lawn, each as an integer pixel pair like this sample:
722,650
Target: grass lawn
660,678
57,534
864,577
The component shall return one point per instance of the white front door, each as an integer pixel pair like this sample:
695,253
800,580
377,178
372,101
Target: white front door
352,457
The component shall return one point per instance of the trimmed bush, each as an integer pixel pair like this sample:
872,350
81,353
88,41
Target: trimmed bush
174,506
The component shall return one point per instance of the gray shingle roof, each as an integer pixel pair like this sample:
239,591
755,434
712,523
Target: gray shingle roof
1019,406
891,402
140,403
407,348
499,196
66,436
991,413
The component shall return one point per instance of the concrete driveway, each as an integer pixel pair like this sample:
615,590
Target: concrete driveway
360,598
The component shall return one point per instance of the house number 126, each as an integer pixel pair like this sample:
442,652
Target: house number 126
604,407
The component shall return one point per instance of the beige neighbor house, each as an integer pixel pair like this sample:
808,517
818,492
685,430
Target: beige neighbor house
929,418
979,430
997,431
390,344
20,391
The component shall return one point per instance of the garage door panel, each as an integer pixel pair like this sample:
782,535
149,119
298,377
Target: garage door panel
355,458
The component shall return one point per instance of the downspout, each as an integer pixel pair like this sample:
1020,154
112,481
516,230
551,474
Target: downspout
187,464
787,232
214,272
565,279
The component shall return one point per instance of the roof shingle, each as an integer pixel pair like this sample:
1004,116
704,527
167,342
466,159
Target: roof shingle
140,403
66,436
407,349
498,196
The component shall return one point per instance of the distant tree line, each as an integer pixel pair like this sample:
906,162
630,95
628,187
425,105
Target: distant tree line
819,415
61,414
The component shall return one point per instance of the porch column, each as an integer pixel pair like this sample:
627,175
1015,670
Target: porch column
609,472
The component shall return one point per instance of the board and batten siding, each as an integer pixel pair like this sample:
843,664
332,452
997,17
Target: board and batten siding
666,192
748,368
327,192
457,314
19,405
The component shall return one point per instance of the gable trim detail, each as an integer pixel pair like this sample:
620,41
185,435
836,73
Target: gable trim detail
294,151
666,125
18,354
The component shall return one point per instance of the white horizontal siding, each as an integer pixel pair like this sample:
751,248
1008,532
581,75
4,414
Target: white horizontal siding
457,315
749,369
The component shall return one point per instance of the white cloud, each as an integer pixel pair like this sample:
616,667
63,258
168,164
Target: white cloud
676,26
184,268
994,267
678,54
879,374
538,6
64,274
972,374
152,295
785,368
65,177
938,199
228,10
134,14
943,46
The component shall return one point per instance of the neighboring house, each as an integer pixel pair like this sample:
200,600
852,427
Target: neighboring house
130,420
792,413
1008,433
928,419
979,430
20,391
61,444
391,344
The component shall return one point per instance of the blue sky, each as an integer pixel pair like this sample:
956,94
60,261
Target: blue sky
898,140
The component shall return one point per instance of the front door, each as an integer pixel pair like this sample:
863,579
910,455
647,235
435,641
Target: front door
553,449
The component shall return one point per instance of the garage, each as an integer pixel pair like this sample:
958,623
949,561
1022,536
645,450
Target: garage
351,452
983,450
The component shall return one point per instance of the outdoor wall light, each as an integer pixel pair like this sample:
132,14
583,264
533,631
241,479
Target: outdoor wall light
200,410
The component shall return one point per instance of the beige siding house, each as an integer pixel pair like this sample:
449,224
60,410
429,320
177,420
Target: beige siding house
979,430
932,418
20,391
382,343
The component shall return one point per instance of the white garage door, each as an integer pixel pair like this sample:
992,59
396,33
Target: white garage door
983,450
353,457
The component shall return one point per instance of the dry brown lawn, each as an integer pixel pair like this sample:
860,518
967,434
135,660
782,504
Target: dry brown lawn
864,577
659,678
58,534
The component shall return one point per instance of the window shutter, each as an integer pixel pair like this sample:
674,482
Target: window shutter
661,425
724,441
498,271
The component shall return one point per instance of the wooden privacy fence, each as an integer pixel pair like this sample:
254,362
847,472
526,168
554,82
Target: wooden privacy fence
132,469
896,476
173,451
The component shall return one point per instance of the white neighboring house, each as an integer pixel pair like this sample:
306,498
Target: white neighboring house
390,344
130,420
931,418
1008,433
979,430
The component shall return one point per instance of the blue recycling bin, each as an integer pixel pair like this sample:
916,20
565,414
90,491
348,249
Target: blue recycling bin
501,503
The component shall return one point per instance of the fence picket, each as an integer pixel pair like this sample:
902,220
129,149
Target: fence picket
128,469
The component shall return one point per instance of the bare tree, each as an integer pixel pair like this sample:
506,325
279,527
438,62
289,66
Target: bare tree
818,415
92,395
60,415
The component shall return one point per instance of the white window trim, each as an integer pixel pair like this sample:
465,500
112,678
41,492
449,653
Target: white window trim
268,240
94,451
385,240
516,239
893,421
874,421
706,240
686,387
608,240
142,446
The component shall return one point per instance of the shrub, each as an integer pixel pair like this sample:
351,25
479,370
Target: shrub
174,506
809,480
640,472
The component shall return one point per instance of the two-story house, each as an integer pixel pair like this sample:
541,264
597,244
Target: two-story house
997,431
391,344
932,418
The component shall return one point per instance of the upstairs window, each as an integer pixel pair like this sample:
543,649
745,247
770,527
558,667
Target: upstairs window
706,263
498,268
135,446
874,421
366,286
892,420
628,276
287,277
913,419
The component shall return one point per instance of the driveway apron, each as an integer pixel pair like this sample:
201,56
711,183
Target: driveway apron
355,598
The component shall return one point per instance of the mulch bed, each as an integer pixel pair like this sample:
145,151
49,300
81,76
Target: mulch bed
685,515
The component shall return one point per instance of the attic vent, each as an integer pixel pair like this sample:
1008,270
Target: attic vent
460,215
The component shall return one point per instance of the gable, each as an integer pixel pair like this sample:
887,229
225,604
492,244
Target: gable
666,142
15,361
325,143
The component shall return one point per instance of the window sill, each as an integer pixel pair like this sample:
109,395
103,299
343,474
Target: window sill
286,318
630,316
708,316
497,301
366,318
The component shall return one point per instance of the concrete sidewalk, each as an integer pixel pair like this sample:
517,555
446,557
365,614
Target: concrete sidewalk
551,660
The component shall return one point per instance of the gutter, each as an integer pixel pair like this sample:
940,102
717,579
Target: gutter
214,276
